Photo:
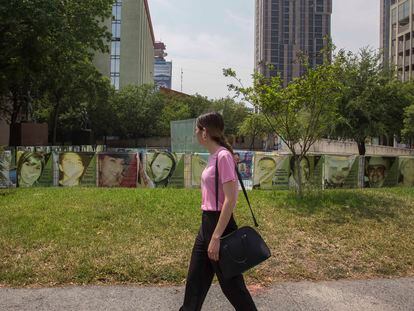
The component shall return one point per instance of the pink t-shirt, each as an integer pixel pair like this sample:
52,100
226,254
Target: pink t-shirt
226,167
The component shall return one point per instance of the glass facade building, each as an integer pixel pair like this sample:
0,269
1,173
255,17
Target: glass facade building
130,60
400,35
286,28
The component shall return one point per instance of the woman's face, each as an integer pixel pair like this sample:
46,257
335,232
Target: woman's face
112,169
30,171
337,170
199,134
71,165
265,170
161,167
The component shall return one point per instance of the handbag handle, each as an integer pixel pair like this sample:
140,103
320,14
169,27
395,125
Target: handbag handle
242,185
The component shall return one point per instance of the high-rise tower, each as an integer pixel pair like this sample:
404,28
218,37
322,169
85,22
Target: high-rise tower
285,28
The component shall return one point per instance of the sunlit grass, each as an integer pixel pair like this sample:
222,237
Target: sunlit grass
53,236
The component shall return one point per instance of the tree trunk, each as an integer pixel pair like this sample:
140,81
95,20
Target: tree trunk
13,118
252,143
361,147
55,120
299,181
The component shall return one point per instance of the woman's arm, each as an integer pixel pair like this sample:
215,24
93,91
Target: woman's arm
230,189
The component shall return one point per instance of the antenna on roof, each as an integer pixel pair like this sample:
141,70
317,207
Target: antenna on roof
182,80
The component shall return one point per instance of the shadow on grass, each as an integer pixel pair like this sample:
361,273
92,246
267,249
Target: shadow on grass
340,206
6,192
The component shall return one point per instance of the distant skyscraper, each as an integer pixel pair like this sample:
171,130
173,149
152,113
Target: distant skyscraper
284,28
385,31
131,57
401,48
162,68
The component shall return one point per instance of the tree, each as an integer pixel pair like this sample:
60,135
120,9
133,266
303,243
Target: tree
255,125
408,130
45,44
301,113
138,110
198,105
233,114
373,100
174,109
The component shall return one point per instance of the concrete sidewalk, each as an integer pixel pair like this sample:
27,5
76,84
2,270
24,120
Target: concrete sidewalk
397,294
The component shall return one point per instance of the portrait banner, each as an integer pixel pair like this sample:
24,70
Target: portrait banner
341,171
34,169
311,172
244,160
13,166
164,169
406,171
5,162
77,168
117,169
271,171
177,179
199,162
380,172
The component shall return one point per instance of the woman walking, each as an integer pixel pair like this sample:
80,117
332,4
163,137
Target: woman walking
216,221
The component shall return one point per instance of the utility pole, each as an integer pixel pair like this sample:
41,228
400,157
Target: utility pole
181,80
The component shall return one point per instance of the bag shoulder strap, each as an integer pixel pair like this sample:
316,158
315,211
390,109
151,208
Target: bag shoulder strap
242,185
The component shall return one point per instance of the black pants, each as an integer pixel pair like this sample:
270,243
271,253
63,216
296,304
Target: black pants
202,269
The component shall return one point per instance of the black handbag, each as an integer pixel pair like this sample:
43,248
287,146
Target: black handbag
244,248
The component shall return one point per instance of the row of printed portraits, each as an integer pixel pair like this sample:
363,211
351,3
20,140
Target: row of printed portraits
162,168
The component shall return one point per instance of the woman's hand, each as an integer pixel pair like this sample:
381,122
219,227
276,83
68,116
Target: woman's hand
213,249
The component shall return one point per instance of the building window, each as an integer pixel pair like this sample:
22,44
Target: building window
116,43
404,13
394,16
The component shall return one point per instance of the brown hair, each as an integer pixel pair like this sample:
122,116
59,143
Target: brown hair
214,123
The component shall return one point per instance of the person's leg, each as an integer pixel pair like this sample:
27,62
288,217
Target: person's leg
199,277
236,291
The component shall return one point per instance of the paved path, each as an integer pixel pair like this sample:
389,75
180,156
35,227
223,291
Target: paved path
389,295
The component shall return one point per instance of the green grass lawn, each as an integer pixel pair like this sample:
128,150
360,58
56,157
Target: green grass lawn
54,236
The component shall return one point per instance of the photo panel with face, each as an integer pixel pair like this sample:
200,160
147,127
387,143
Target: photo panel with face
199,162
160,167
177,179
34,169
117,169
244,161
380,172
5,162
270,171
311,172
13,167
406,171
77,168
341,171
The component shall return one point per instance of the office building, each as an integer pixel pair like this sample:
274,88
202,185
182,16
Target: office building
131,57
401,49
385,31
286,28
162,67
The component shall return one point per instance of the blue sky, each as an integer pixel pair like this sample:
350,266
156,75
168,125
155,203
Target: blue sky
202,37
